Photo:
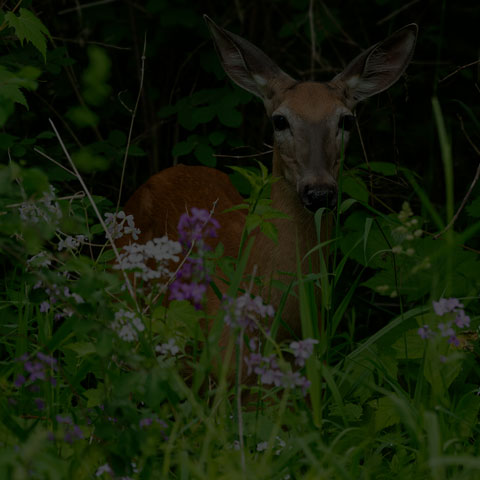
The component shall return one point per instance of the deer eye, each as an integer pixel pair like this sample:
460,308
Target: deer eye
280,123
346,123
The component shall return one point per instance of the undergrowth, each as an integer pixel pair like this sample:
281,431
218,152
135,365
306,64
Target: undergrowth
108,370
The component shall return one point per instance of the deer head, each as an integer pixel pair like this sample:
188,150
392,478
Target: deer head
312,121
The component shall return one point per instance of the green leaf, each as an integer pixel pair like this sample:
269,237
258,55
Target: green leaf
386,413
88,162
204,155
203,114
10,83
184,147
96,89
82,349
28,27
95,397
216,138
355,188
35,182
82,116
270,230
474,208
230,117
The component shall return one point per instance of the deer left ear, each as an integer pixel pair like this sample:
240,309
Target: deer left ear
379,67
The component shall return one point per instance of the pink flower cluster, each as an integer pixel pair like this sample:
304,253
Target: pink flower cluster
269,372
192,279
444,307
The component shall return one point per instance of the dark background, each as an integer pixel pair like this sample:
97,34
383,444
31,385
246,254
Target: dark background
397,126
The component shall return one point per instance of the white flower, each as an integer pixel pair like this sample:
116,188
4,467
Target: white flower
39,260
103,469
71,242
138,257
169,347
262,446
121,224
46,209
126,325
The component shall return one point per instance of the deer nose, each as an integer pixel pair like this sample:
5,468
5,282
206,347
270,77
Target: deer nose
315,197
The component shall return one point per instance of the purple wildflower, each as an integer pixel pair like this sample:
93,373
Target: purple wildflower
453,340
191,282
50,361
145,422
40,403
446,305
302,350
44,307
425,332
462,320
72,434
197,227
193,292
446,329
245,312
35,369
65,420
19,381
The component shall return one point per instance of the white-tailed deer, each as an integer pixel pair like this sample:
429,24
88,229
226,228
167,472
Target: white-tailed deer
311,123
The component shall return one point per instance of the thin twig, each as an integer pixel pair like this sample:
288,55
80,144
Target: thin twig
97,212
237,157
396,12
313,38
53,161
90,42
475,180
85,5
458,70
75,196
130,130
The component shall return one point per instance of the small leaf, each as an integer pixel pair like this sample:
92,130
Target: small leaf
204,155
95,397
203,115
386,413
270,230
82,349
230,117
88,162
28,27
474,208
184,147
356,188
96,75
82,116
216,138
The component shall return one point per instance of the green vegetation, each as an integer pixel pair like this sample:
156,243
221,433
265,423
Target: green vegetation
97,383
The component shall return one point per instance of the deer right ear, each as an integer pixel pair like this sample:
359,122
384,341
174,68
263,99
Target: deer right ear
247,65
379,67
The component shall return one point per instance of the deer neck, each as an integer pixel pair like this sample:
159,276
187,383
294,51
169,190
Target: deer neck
286,199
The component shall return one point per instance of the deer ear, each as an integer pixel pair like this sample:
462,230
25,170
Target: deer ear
246,64
379,67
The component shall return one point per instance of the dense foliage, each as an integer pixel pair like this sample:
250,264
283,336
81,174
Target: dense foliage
97,382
